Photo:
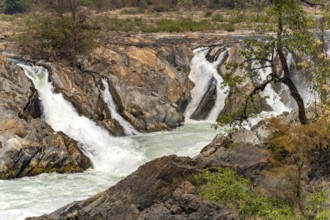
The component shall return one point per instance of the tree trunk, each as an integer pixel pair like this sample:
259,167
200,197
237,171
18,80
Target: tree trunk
297,97
286,79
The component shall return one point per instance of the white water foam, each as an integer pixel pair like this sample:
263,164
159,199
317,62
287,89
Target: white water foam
202,73
116,155
107,97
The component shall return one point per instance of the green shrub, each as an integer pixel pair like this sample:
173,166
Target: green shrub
162,8
228,27
226,3
226,187
16,6
208,14
238,18
218,18
117,24
57,37
168,25
133,11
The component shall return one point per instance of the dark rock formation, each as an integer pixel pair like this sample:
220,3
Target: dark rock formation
207,102
157,190
160,188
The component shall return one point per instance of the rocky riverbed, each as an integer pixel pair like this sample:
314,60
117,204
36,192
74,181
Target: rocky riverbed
148,79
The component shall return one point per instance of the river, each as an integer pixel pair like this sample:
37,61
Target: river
33,196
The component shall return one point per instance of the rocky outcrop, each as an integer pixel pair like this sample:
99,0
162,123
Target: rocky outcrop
157,190
29,146
149,83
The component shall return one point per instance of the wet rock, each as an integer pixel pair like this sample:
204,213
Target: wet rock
207,102
34,148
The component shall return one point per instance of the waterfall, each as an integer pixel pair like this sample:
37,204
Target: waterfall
128,128
273,98
202,73
107,153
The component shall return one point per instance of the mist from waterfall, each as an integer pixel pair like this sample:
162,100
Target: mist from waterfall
107,153
107,97
202,73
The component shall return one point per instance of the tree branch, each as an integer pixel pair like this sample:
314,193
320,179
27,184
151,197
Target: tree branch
261,87
257,58
312,4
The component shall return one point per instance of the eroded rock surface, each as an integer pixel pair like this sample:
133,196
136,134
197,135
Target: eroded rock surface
148,82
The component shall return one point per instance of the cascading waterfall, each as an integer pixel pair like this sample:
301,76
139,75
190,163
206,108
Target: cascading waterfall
277,96
303,82
202,73
107,153
273,99
107,97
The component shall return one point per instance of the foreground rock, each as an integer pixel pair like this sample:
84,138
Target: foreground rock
157,190
29,146
161,189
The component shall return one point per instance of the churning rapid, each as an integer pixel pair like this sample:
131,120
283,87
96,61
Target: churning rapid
113,158
203,73
107,153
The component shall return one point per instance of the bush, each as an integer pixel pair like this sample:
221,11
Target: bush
218,18
58,37
16,6
228,27
208,14
167,25
226,187
238,18
226,3
162,8
117,24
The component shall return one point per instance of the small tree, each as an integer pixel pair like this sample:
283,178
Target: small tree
291,33
63,33
292,148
